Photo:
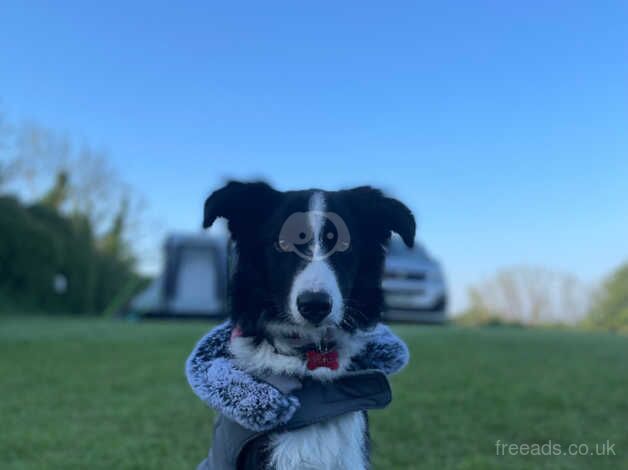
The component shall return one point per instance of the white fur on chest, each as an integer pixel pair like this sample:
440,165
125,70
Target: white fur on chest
337,444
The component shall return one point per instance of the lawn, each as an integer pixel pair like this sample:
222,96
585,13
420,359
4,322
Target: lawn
101,394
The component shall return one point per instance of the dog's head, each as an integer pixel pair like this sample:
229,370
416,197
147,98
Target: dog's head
307,261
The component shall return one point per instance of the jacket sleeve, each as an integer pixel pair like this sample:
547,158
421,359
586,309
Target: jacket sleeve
383,351
214,378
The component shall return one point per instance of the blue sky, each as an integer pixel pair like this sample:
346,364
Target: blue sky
503,126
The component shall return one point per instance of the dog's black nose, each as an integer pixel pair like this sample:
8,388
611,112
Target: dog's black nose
314,306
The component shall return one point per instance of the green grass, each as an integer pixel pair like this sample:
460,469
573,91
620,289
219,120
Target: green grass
81,393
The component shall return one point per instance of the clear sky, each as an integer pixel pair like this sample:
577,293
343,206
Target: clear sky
502,124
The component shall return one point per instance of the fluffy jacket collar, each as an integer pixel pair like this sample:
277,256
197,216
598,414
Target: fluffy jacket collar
257,405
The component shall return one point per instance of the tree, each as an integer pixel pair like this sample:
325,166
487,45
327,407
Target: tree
58,194
8,165
610,305
60,221
34,158
527,295
113,241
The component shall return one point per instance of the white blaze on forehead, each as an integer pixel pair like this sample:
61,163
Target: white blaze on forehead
317,220
318,275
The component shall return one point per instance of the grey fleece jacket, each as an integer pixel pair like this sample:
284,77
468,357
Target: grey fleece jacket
257,405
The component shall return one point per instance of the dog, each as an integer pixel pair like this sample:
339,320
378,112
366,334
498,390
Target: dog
305,290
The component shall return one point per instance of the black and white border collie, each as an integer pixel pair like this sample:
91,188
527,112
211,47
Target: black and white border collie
305,290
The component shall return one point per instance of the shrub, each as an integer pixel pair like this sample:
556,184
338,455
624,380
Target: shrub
39,246
610,306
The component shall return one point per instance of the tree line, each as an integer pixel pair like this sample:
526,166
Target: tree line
535,296
66,221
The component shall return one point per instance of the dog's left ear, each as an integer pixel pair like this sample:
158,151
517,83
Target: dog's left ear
244,205
383,214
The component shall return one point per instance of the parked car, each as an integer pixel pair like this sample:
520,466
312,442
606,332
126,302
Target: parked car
414,285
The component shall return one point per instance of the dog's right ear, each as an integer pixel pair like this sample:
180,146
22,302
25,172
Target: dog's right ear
242,204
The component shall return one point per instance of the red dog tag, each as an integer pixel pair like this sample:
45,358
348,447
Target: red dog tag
316,359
